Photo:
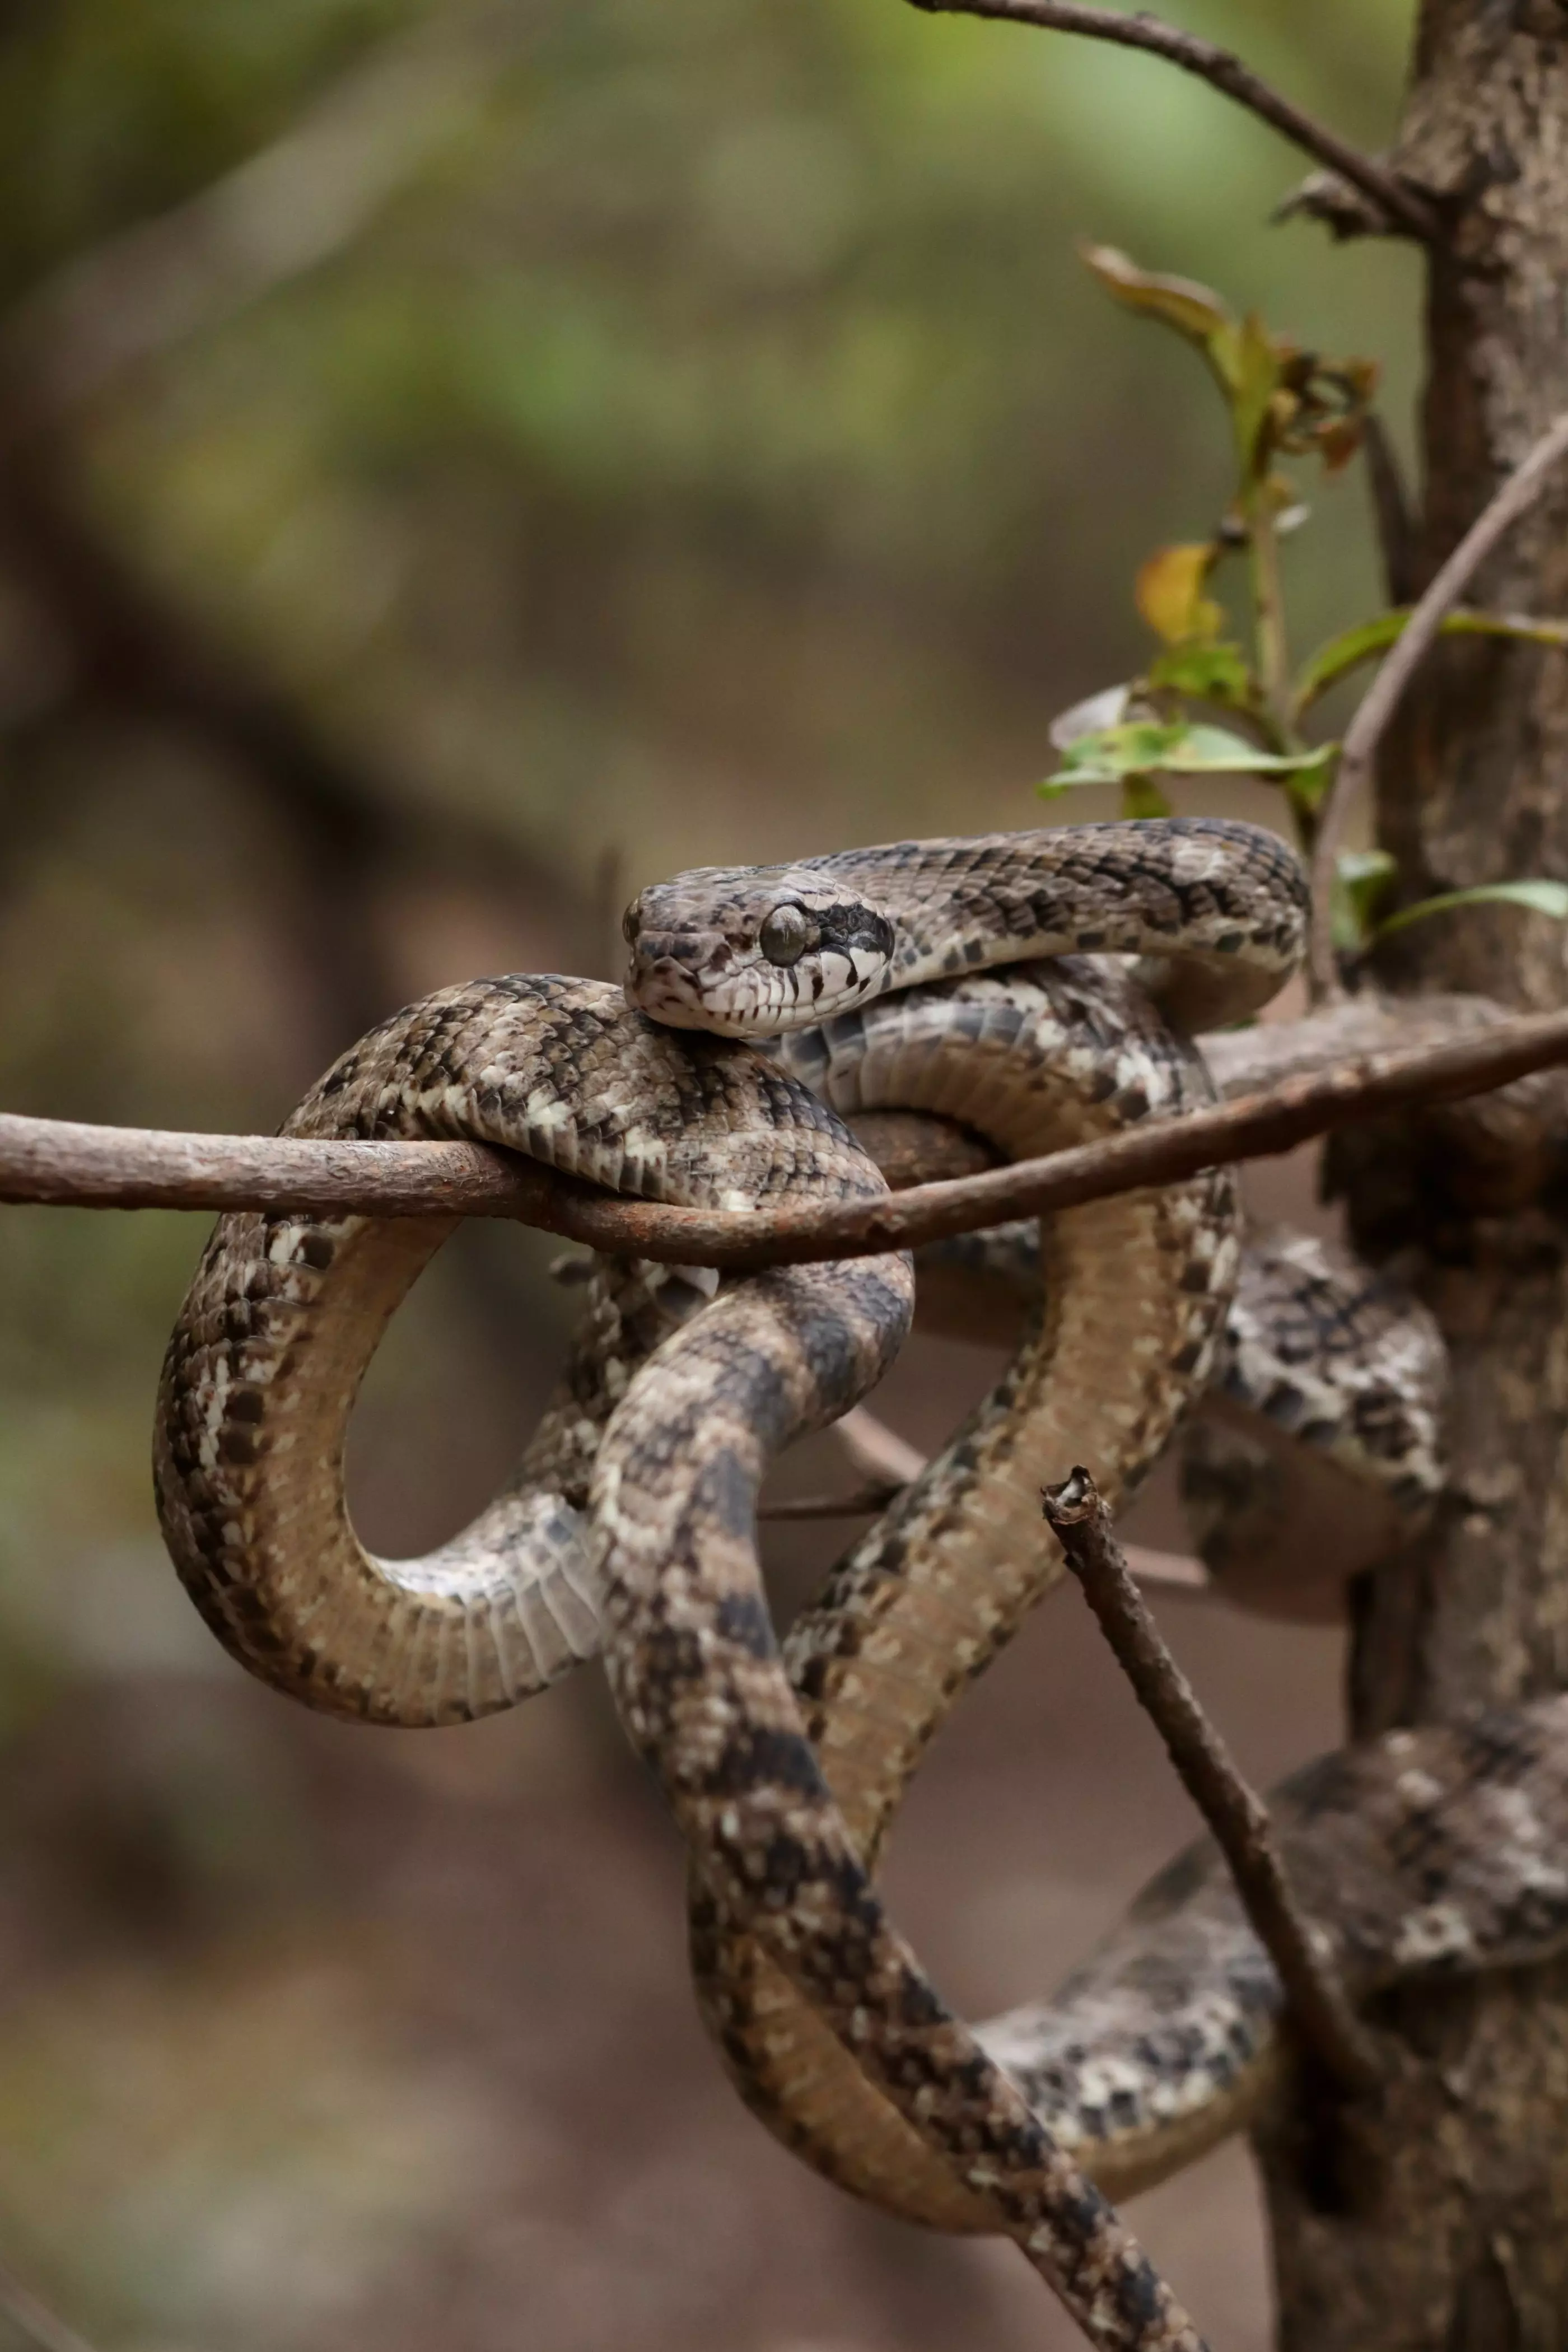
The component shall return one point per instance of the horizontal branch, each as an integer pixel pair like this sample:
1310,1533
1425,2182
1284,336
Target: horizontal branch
71,1165
1236,1815
1395,201
61,1162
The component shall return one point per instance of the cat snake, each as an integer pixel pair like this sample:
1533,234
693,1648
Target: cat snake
1043,988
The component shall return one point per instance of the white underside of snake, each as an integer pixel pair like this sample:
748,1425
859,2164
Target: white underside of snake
911,977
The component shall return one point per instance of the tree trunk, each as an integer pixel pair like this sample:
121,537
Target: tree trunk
1439,2221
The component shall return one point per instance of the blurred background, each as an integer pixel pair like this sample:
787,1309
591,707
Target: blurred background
460,463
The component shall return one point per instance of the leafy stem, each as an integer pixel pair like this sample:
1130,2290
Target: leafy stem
1283,402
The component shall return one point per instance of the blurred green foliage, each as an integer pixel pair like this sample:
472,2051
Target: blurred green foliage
722,401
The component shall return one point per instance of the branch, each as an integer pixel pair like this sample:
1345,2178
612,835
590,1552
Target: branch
1396,204
1237,1817
1345,212
60,1161
1381,698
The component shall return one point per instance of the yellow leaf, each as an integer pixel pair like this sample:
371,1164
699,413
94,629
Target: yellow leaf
1169,589
1181,302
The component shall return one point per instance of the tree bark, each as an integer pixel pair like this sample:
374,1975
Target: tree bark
1436,2220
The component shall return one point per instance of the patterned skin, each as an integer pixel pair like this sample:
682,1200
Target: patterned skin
258,1386
643,1478
1217,910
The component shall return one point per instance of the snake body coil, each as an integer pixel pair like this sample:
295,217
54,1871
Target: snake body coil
1123,1333
634,1510
285,1313
1168,2039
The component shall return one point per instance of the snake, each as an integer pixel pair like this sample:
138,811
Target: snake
1314,1450
631,1519
1307,1347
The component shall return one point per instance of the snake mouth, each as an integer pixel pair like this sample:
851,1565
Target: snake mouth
727,996
668,996
677,977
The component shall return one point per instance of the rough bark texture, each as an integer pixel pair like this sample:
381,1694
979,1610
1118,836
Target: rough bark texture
1439,2221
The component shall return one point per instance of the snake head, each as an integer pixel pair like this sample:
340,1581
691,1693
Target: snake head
753,951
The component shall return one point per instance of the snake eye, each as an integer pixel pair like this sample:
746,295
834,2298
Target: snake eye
784,935
629,925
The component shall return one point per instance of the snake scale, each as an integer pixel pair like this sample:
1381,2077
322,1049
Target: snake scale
632,1516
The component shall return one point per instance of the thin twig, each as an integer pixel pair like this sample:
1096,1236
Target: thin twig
1381,698
1235,1813
888,1461
60,1161
863,1504
1397,204
882,1456
1172,1571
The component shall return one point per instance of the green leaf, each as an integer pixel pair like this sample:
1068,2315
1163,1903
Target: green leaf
1346,652
1542,897
1108,754
1373,638
1209,673
1202,750
1363,878
1311,781
1132,755
1216,752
